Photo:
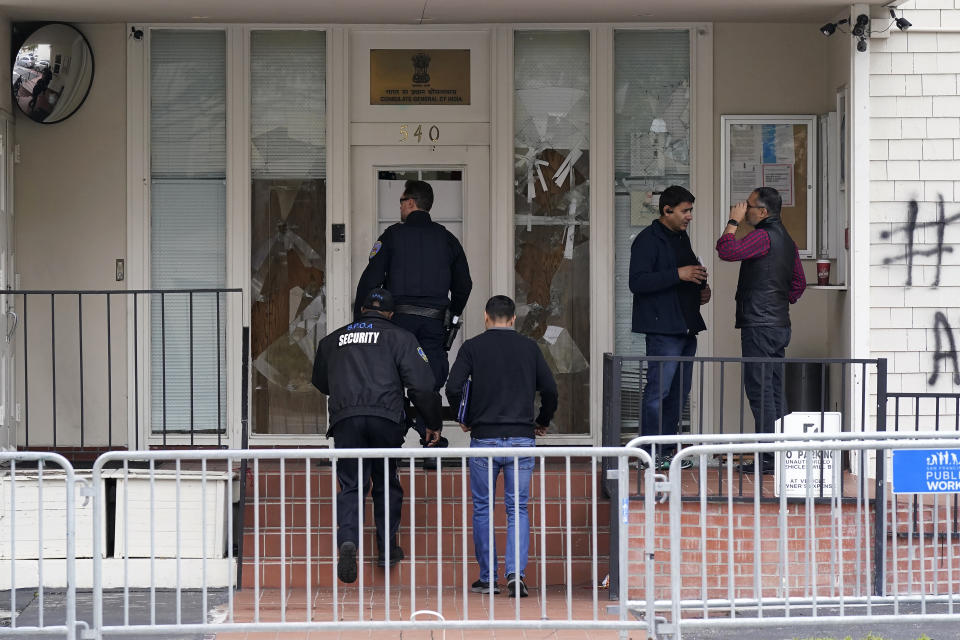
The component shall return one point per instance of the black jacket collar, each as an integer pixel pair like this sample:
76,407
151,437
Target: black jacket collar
418,217
661,228
375,315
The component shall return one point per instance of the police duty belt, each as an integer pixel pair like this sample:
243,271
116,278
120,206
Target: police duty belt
425,312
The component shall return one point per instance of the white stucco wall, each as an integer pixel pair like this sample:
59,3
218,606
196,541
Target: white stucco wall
70,226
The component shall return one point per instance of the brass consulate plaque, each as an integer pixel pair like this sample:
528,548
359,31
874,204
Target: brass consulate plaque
420,76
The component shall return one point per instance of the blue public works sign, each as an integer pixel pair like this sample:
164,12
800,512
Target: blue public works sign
926,471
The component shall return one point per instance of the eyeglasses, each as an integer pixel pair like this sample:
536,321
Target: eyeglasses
754,206
402,200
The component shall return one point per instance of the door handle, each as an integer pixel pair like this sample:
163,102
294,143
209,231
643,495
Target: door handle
13,329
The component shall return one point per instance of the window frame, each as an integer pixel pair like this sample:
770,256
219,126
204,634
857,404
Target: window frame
238,211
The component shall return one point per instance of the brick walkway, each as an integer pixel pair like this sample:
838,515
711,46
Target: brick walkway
454,607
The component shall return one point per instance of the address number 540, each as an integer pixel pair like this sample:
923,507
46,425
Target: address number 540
433,133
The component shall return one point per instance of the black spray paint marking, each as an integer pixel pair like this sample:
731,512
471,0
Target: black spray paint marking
941,326
911,228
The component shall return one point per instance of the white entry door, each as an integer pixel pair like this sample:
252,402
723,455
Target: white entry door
460,177
8,398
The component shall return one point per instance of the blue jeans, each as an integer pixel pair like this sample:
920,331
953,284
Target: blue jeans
480,487
668,384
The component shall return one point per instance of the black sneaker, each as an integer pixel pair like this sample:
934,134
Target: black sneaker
347,564
516,586
484,587
396,555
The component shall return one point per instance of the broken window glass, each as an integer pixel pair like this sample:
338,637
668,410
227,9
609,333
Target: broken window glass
552,210
288,229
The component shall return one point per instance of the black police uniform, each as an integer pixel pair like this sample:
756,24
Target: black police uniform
419,261
364,368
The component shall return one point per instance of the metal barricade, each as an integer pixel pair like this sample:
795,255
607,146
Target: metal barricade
816,556
38,545
168,546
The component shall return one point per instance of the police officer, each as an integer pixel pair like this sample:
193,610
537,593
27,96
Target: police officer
420,262
364,368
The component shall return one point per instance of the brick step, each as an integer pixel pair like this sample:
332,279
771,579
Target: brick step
451,544
425,482
322,572
293,539
321,515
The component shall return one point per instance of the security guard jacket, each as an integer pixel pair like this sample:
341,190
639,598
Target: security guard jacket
364,368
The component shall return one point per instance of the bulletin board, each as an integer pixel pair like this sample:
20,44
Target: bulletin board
778,152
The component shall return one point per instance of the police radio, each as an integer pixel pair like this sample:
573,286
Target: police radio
450,326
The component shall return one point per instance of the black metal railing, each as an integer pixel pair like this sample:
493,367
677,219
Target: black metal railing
817,385
923,413
80,353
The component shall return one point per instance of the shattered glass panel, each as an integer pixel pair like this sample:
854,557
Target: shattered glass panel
552,213
651,152
288,229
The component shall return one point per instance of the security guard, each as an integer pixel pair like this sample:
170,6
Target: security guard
364,368
420,262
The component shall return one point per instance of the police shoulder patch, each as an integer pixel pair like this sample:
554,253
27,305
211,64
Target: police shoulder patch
376,249
422,354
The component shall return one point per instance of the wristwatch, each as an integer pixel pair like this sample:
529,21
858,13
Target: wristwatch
733,222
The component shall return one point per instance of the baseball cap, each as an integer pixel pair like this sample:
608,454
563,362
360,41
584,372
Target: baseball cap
378,300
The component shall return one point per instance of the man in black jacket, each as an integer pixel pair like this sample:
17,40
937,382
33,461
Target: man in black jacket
669,284
364,368
505,371
420,262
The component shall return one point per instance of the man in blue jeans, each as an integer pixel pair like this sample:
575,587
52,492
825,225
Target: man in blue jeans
494,382
669,284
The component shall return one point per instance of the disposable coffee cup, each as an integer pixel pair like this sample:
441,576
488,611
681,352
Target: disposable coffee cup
823,272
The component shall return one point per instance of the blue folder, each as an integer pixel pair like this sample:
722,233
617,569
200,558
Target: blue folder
464,401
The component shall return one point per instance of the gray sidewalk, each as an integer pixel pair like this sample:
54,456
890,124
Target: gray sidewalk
54,607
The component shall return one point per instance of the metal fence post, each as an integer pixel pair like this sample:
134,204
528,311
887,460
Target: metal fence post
244,442
610,437
879,495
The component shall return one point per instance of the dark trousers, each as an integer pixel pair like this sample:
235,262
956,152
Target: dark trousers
668,383
763,382
367,432
430,334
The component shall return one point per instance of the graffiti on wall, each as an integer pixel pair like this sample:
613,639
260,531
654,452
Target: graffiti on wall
943,331
945,347
912,229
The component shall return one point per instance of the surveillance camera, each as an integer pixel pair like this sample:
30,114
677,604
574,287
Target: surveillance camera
862,45
860,28
828,29
136,34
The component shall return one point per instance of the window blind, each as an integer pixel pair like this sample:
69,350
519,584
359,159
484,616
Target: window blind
288,95
651,152
188,228
651,81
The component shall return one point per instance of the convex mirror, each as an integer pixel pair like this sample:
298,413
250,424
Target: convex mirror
52,73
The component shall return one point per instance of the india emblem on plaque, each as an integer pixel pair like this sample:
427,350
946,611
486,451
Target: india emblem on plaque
439,77
421,62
